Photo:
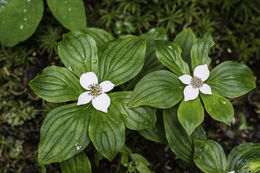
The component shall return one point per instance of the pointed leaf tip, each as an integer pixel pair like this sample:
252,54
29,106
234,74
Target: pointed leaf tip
190,115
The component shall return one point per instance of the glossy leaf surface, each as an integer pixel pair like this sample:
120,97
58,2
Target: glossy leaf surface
77,164
218,107
209,156
100,36
64,133
70,13
155,34
151,62
179,141
244,158
191,114
138,118
231,79
78,52
107,132
56,84
200,51
169,54
185,39
18,20
121,60
160,89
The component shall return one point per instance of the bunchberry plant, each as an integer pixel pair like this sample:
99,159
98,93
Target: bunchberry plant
96,94
165,89
210,157
196,83
95,65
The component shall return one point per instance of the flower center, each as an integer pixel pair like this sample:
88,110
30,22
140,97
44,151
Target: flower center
95,90
196,82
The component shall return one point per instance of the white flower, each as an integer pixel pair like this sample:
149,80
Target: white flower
196,83
232,172
96,92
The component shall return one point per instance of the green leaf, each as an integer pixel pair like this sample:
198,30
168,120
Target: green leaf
160,89
155,34
100,36
157,133
78,52
151,62
179,141
64,133
244,157
77,164
200,51
18,20
185,39
107,133
209,156
42,169
191,114
125,152
141,163
56,84
199,133
97,158
70,13
169,54
218,107
231,79
138,118
121,60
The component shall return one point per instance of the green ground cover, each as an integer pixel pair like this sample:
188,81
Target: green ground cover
234,25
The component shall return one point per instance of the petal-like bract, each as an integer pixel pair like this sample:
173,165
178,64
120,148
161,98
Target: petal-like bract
202,72
205,89
101,102
84,98
106,86
186,79
88,78
190,93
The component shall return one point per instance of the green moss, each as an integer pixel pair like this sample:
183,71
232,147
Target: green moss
234,24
